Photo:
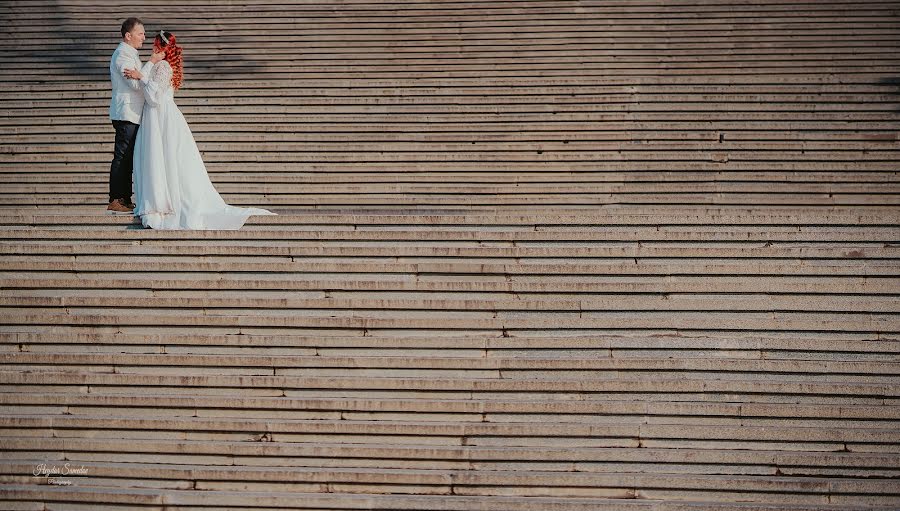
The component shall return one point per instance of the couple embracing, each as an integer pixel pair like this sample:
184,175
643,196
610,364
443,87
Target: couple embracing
156,146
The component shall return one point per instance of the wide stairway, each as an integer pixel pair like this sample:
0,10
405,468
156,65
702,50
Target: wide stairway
531,255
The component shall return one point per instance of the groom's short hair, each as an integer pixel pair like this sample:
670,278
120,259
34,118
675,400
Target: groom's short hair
129,24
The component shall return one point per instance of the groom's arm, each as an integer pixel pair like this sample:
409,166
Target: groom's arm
140,78
123,63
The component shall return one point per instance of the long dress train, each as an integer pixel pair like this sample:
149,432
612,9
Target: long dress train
172,188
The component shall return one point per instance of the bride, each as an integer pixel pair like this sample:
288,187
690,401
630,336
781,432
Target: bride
172,188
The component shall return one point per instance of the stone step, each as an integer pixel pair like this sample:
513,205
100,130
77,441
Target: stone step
488,446
207,245
110,473
226,87
548,118
773,47
742,74
51,173
95,180
485,367
429,9
615,485
826,34
529,254
847,75
357,321
293,195
522,155
234,89
609,459
14,191
281,264
643,132
600,17
761,391
496,71
465,200
153,499
464,410
473,218
807,217
575,215
200,69
493,173
774,147
500,305
416,125
124,228
400,96
103,138
563,24
605,34
93,60
207,304
522,32
477,390
548,169
713,218
850,53
506,78
496,181
634,109
873,285
691,362
444,173
222,57
747,392
713,344
489,442
559,19
556,21
616,129
597,450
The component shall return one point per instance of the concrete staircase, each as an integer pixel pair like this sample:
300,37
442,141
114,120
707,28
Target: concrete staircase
534,255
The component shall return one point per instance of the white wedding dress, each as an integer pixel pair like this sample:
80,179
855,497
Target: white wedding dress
172,188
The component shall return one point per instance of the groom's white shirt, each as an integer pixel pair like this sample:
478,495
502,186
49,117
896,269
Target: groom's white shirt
127,97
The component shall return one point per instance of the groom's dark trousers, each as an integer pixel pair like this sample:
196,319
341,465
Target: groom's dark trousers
122,166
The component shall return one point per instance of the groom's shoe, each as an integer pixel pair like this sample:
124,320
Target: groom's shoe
119,206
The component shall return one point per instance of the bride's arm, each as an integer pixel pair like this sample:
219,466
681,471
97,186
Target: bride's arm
143,74
160,77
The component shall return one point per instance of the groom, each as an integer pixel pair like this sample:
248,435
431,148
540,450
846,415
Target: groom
125,113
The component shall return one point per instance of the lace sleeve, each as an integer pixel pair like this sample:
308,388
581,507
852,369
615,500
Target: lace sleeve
160,80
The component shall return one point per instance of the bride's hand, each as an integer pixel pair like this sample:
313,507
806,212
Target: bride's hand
156,57
133,74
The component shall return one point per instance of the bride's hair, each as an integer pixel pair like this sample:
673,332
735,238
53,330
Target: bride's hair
166,40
